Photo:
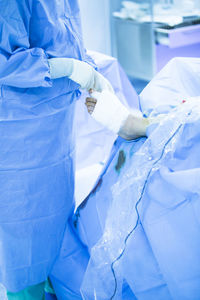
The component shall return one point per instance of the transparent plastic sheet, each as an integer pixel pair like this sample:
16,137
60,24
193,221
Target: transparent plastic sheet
104,276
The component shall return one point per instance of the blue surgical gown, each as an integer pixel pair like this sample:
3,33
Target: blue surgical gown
36,135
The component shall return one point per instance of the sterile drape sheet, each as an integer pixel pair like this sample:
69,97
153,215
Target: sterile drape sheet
141,223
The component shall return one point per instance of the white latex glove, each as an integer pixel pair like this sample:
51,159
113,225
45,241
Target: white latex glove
107,109
80,72
134,127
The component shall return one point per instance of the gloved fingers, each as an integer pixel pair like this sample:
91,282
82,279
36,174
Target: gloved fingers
86,76
95,81
134,126
101,83
83,74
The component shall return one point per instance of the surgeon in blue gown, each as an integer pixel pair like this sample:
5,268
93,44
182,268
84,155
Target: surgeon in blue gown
42,66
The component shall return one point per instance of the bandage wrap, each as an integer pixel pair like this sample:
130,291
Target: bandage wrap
109,111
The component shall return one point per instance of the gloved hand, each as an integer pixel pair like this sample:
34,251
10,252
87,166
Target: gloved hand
134,127
80,72
106,109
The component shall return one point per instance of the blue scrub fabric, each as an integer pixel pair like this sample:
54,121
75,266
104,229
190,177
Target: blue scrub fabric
141,222
36,136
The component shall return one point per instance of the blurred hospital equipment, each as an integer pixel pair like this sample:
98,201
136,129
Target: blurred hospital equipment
147,34
95,18
142,35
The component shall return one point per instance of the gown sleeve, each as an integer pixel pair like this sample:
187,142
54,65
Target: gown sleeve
20,65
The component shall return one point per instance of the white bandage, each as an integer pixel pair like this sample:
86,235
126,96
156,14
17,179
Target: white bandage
109,111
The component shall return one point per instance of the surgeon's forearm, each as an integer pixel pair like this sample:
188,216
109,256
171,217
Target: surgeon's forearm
135,126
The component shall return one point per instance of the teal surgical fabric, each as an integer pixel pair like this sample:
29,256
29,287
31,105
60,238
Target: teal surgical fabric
141,222
36,136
